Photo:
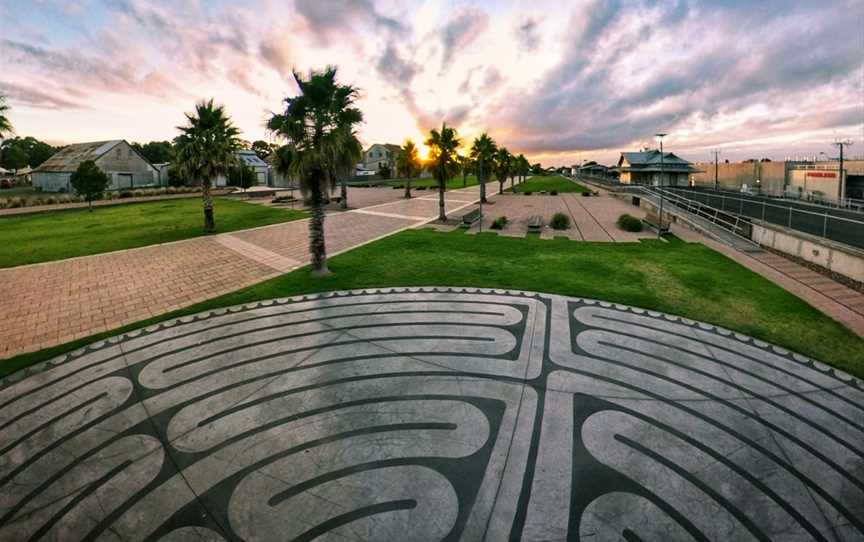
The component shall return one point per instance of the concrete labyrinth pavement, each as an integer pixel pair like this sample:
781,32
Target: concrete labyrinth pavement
432,414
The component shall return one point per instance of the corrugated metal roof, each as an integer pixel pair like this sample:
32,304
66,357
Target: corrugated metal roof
69,158
250,158
651,157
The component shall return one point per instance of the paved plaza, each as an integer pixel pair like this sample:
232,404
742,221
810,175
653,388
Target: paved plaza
432,414
52,303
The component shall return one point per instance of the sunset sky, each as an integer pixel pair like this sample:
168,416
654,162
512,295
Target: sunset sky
561,81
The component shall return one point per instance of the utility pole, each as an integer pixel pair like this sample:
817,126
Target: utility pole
716,169
661,135
841,189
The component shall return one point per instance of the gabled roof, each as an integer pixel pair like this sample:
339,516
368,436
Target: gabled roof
67,159
389,146
652,157
250,158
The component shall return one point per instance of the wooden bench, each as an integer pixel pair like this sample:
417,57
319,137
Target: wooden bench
469,219
535,223
652,221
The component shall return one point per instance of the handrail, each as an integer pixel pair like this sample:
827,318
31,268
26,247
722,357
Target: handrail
853,204
700,213
783,207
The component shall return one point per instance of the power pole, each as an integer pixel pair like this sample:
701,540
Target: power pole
661,135
841,189
716,169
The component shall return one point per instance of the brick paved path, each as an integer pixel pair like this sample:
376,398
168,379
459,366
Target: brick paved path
55,302
832,298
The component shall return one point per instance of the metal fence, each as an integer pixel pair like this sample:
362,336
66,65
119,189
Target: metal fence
828,223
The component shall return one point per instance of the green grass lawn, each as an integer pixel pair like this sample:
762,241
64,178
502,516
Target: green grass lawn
685,279
64,234
452,184
558,183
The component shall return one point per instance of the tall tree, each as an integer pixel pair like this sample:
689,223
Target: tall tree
156,152
443,160
5,124
13,157
408,164
89,181
262,148
483,154
206,149
320,144
36,151
503,166
465,166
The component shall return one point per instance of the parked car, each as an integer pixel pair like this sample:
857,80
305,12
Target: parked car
5,183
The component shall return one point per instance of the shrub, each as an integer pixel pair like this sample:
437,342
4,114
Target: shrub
125,194
51,200
553,192
586,194
499,223
528,193
15,202
560,221
629,223
2,203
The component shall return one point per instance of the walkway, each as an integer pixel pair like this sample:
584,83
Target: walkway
591,218
829,296
55,302
431,414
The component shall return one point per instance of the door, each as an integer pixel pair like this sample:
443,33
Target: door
124,180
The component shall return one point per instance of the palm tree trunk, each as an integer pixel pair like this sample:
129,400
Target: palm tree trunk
344,194
207,198
408,188
442,216
501,186
316,232
464,178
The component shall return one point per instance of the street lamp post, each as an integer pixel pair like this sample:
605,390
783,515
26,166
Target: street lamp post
661,135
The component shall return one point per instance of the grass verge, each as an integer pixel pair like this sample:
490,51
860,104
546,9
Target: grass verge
557,183
453,184
689,280
66,234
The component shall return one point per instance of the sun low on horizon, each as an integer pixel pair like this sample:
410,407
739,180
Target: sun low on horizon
586,83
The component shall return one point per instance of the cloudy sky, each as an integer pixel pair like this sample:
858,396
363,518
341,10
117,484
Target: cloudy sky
561,81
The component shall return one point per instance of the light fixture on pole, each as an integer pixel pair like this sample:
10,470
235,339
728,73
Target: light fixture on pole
661,135
841,188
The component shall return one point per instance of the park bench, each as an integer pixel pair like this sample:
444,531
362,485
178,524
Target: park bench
653,222
535,223
260,193
469,219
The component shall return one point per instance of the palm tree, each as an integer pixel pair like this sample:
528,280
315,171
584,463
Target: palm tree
206,149
483,154
465,165
320,145
408,164
343,164
5,125
443,160
523,166
503,165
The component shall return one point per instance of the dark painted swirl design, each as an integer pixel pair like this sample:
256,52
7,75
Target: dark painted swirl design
432,414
